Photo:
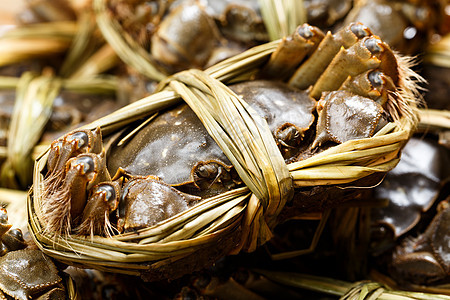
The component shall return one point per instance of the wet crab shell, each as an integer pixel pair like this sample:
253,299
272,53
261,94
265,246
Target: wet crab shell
24,273
175,141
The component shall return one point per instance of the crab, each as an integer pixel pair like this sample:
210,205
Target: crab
171,163
426,258
412,187
239,21
11,239
25,273
185,38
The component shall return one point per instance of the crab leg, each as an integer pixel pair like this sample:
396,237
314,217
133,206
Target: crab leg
72,144
313,67
291,51
65,204
372,84
360,57
103,200
147,201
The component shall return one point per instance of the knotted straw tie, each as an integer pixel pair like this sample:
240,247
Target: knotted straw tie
247,141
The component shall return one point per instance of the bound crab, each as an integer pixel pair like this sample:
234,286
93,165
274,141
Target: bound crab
330,89
171,163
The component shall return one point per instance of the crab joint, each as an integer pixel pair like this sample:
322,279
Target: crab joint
360,57
291,51
312,68
372,84
72,144
104,199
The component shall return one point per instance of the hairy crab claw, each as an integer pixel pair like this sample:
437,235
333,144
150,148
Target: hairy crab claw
66,203
292,51
95,219
373,84
72,144
147,201
310,71
64,148
364,55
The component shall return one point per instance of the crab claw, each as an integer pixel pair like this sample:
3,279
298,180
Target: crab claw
373,84
64,205
314,66
291,51
344,116
104,199
63,149
72,144
147,201
366,54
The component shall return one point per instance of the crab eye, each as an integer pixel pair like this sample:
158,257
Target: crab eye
375,78
81,138
305,31
360,30
86,162
207,171
373,45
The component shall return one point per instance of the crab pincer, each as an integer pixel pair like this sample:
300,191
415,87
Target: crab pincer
67,194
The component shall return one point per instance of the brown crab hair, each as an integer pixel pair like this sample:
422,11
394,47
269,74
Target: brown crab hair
405,100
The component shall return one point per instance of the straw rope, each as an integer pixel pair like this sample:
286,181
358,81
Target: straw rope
361,290
246,140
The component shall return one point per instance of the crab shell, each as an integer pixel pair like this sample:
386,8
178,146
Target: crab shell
175,141
24,273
